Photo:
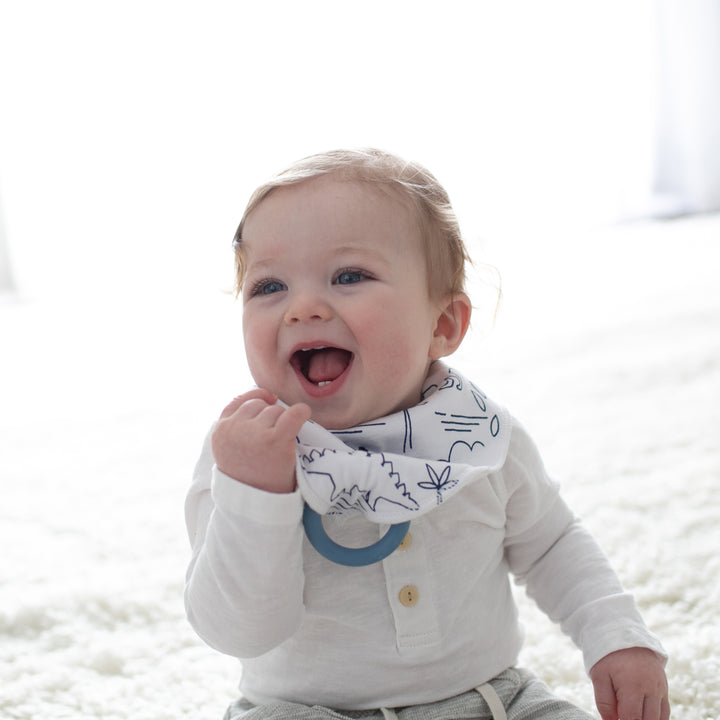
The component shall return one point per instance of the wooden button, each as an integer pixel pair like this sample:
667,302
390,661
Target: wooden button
409,595
406,543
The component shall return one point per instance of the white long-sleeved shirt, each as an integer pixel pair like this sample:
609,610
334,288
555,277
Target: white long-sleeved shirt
434,619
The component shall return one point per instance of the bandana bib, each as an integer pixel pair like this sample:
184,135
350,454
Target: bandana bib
401,466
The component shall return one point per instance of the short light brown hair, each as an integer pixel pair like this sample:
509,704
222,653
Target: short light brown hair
445,251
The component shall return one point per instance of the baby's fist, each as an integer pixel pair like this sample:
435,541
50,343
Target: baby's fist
254,441
630,684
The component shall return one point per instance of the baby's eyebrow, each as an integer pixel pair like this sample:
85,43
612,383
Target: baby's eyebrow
360,249
261,264
258,263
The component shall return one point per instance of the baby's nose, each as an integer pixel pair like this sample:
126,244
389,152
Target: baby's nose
307,308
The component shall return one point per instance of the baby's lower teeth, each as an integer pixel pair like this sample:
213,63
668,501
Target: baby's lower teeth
324,382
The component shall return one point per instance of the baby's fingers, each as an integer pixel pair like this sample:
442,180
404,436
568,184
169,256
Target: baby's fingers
292,419
651,708
605,698
258,393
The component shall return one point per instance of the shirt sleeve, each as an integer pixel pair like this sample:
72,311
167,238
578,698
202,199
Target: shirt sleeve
562,566
244,583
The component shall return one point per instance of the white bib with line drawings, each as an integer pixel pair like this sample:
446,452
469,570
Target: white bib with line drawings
401,466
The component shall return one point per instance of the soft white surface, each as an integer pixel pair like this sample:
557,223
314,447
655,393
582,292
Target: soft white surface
607,346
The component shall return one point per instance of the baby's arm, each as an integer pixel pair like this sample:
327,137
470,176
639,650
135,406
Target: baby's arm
568,575
254,441
244,585
631,684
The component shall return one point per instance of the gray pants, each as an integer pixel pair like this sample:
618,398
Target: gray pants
514,694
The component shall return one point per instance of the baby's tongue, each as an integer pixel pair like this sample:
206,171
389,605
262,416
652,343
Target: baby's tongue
327,364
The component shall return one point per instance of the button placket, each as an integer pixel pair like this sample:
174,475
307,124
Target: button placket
409,588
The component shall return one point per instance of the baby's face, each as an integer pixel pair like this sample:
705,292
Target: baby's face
336,308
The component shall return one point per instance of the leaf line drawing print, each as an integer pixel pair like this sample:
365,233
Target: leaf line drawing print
438,483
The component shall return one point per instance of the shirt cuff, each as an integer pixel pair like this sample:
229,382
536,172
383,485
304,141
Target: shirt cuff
619,636
250,503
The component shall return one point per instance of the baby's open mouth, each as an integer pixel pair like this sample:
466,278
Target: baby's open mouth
321,365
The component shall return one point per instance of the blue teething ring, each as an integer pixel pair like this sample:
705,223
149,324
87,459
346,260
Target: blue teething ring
353,557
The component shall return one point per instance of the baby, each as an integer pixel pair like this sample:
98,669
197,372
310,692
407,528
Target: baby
352,270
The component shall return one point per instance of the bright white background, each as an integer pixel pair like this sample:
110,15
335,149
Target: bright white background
131,133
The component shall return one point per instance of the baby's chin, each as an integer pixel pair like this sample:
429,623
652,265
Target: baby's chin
344,419
338,418
330,421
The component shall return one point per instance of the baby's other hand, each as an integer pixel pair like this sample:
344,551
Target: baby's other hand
631,685
254,441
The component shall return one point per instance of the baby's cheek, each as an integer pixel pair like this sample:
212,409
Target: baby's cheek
404,367
260,361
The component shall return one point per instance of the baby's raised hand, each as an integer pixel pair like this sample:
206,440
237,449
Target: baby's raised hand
254,441
631,685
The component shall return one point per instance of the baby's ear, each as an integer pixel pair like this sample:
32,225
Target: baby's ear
452,324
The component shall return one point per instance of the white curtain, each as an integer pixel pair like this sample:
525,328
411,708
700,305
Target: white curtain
686,162
7,283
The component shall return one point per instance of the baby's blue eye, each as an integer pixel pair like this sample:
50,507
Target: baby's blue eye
350,277
268,287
